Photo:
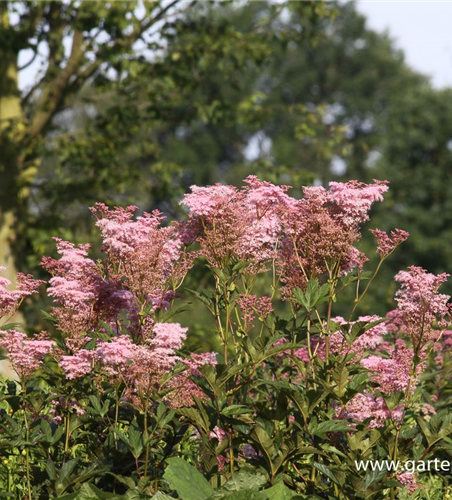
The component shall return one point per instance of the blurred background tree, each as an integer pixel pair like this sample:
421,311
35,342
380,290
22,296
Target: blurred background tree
136,101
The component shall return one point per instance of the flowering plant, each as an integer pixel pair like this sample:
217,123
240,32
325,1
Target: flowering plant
114,404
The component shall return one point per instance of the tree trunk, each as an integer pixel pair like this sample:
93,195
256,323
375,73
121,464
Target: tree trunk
11,125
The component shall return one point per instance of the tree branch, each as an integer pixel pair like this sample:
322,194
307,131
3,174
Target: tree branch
55,89
59,87
20,68
91,69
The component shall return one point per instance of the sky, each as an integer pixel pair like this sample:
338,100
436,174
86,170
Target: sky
422,29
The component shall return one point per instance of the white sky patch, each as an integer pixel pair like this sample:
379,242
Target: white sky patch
422,29
338,166
258,146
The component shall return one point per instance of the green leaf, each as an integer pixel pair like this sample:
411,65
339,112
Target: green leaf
47,316
188,482
51,470
90,492
128,481
202,297
70,496
196,417
314,294
246,478
281,492
165,316
239,495
324,469
10,326
98,409
340,376
136,441
373,477
67,469
161,496
265,442
137,495
236,410
333,426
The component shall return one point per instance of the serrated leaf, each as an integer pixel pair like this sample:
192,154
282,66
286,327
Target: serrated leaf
314,294
340,375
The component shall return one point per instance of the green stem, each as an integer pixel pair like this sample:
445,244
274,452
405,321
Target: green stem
67,428
358,299
27,453
116,417
146,437
231,452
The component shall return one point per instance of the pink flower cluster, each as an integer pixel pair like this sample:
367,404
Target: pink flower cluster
144,261
140,251
420,306
368,407
252,305
394,373
387,243
11,299
320,231
234,225
354,199
121,352
409,480
142,367
26,355
78,365
73,285
260,223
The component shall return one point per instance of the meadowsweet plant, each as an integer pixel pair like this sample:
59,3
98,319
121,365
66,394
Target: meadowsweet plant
297,386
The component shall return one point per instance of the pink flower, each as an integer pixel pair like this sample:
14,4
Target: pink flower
354,199
385,243
74,287
419,305
320,230
11,299
117,353
79,365
236,225
366,406
393,374
26,355
151,257
409,480
209,201
195,361
250,305
167,338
